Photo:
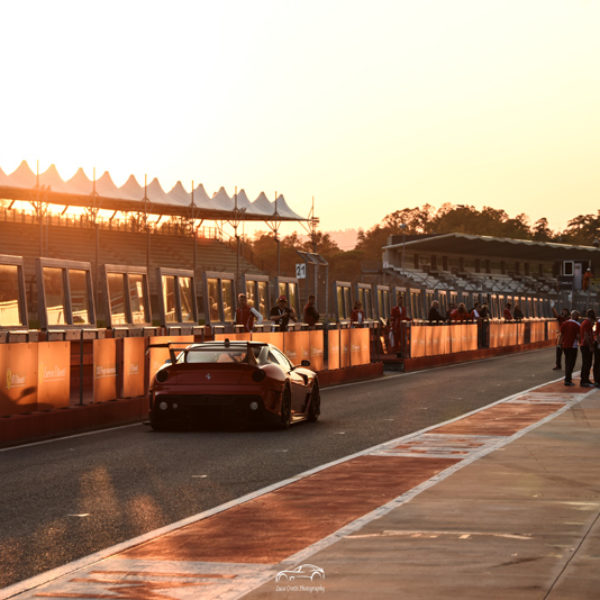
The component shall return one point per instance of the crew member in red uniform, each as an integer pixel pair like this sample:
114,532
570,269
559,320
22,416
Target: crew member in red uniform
569,331
586,343
460,313
561,318
398,316
596,367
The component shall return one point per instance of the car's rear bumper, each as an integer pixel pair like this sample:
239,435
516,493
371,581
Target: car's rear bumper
196,407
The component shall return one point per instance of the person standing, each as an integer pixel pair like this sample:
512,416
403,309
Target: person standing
569,331
460,313
310,315
358,314
596,369
434,312
281,314
246,314
586,341
398,316
507,314
561,318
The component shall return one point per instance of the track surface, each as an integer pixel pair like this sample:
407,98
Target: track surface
63,500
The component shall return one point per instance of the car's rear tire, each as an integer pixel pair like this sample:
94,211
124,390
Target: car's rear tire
157,424
314,408
285,418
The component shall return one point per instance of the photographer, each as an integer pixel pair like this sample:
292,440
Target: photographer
281,314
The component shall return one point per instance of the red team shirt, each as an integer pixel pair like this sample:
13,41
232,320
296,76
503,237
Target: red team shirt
570,333
586,327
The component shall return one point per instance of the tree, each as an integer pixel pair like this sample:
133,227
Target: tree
541,231
583,229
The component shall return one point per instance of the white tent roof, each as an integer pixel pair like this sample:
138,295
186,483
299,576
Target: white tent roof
23,183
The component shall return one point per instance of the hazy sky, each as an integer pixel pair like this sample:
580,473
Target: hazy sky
367,106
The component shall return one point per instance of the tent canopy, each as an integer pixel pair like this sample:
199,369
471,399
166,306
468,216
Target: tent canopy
24,184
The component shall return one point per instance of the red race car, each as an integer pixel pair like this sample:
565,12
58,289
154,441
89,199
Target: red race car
227,379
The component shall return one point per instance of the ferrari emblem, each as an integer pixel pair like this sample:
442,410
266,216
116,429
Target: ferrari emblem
207,376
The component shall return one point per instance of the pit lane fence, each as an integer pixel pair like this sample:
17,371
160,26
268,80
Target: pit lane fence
49,375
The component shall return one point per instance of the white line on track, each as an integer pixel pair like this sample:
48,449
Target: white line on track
86,561
70,437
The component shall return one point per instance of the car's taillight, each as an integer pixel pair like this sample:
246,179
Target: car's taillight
258,375
162,375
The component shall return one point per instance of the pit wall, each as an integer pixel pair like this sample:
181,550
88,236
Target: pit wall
47,376
429,340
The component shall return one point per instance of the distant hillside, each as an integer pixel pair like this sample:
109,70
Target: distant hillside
344,238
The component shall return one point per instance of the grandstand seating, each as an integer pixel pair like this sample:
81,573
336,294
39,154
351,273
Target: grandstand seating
470,281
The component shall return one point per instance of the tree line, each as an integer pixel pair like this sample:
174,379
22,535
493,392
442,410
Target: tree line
425,220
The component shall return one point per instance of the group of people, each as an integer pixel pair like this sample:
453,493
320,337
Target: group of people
583,334
479,311
281,314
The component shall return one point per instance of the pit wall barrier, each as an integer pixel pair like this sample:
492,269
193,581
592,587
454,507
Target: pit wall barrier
424,340
51,375
46,376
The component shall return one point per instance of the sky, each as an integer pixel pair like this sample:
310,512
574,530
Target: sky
366,107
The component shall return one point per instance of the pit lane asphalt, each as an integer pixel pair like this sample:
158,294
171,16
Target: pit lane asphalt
67,498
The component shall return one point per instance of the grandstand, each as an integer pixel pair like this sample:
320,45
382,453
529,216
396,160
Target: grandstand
475,268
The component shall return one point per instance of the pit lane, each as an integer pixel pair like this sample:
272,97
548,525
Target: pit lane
68,498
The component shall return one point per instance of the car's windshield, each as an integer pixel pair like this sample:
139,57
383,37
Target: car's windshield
217,355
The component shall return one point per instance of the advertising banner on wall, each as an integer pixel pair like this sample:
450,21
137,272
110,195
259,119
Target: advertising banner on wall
105,369
275,338
417,341
18,378
333,344
344,348
316,343
296,346
54,374
133,367
244,336
360,351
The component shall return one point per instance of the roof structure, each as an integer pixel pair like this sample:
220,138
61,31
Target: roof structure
24,184
463,243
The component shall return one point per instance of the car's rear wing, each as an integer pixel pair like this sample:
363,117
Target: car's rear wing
176,348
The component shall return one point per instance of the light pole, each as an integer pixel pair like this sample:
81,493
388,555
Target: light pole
403,227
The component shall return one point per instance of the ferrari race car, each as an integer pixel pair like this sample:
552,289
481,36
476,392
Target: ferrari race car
252,381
